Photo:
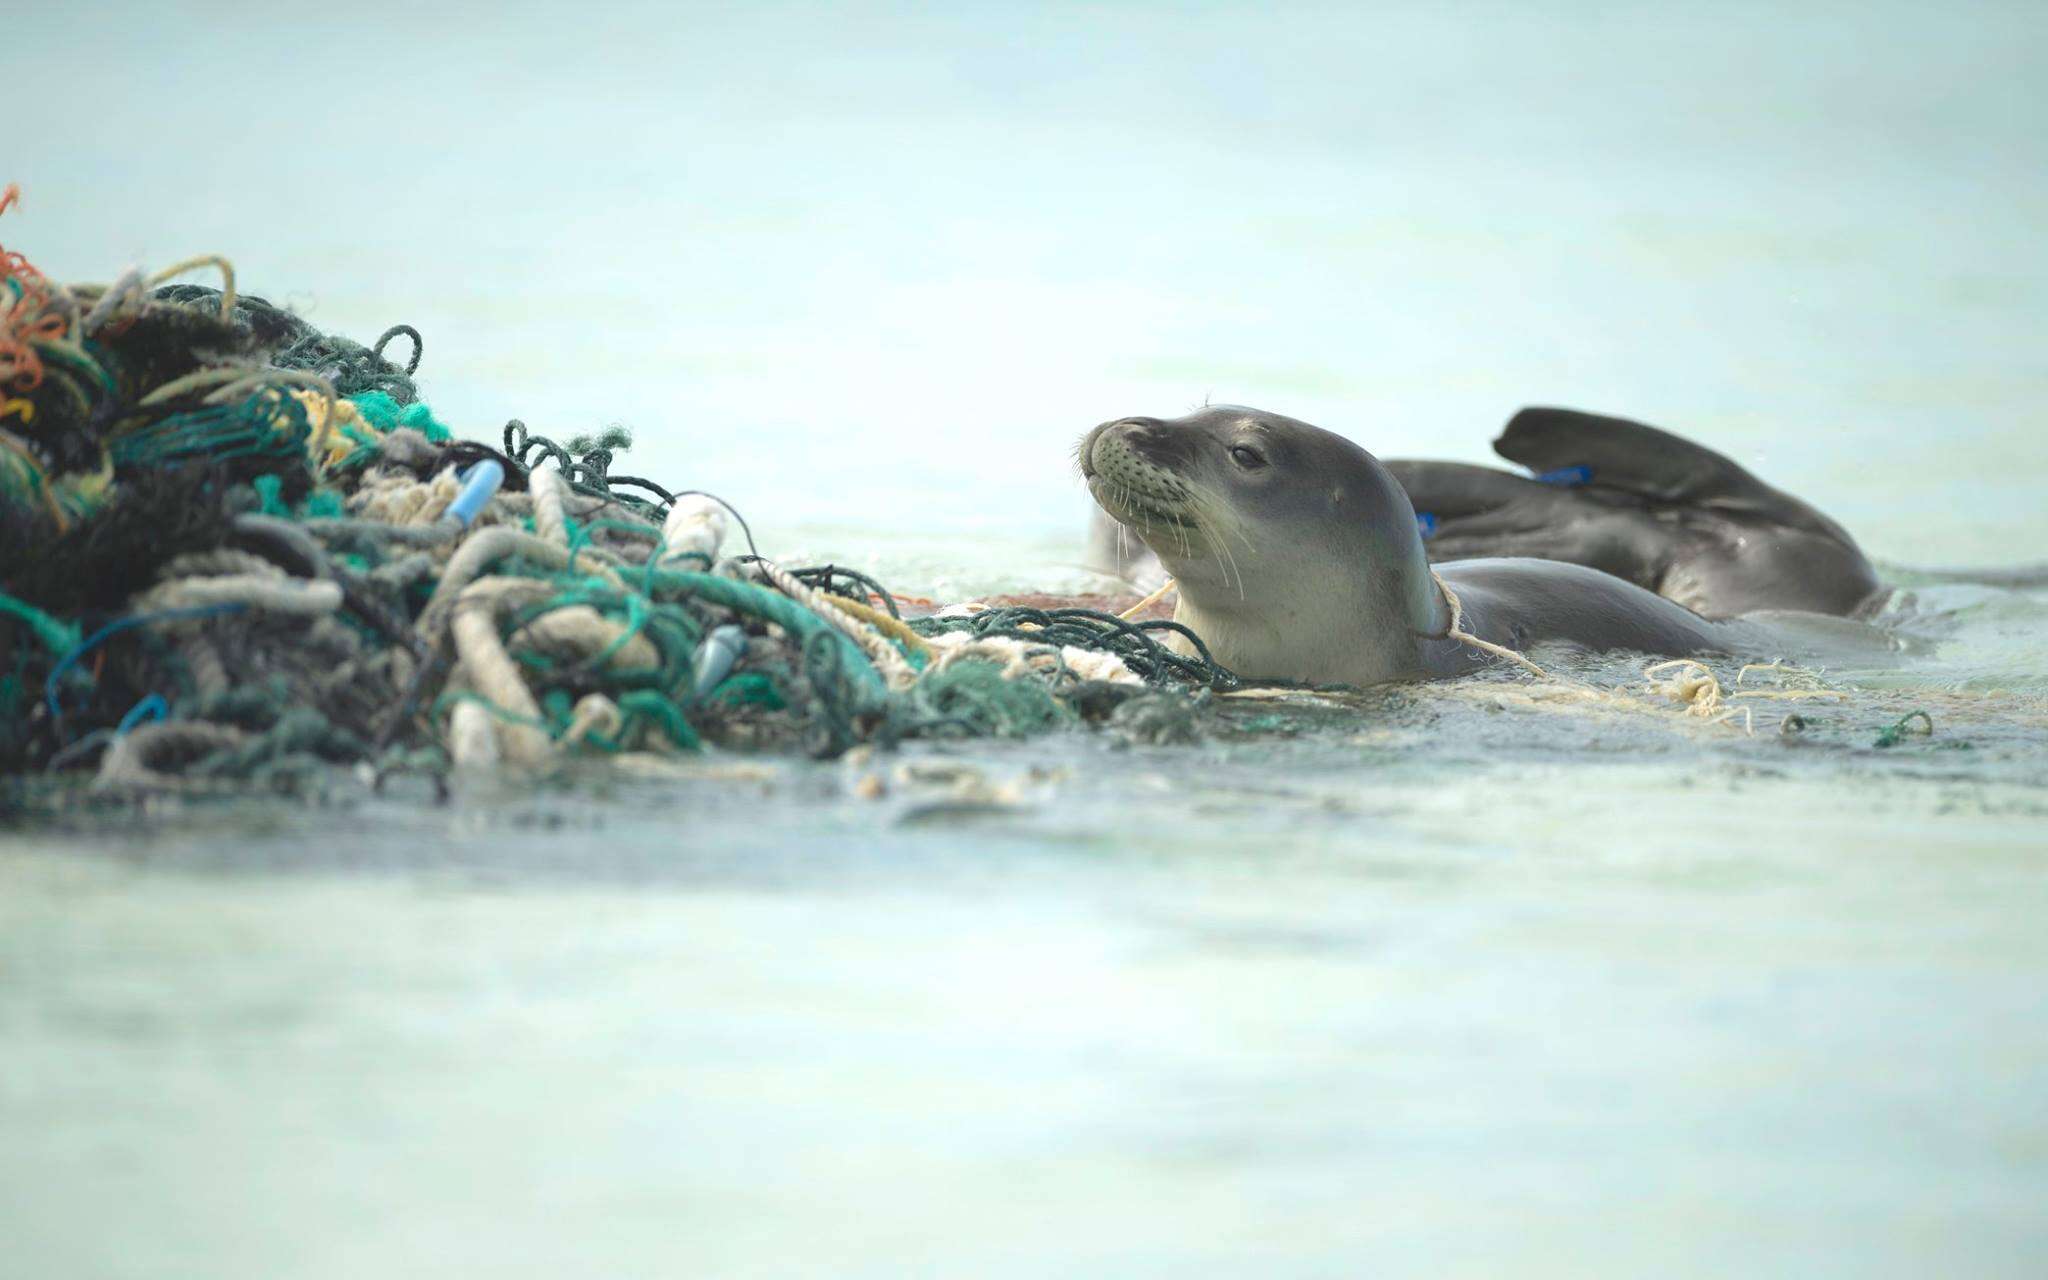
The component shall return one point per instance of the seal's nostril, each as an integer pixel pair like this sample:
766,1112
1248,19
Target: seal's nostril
1140,433
1087,451
1124,431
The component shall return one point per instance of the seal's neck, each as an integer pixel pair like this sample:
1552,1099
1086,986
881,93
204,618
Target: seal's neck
1359,617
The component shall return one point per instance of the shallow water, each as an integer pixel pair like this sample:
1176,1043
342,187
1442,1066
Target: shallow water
1485,978
1450,983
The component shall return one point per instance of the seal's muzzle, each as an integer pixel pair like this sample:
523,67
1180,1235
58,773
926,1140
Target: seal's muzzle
1133,467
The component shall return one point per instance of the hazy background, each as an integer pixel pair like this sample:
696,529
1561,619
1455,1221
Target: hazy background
873,268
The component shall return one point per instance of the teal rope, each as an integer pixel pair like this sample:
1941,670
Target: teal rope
57,637
773,606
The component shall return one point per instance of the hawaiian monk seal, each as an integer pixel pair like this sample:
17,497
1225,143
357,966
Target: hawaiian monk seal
1298,557
1646,505
1655,508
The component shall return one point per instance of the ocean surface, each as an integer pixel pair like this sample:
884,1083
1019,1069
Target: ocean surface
1484,978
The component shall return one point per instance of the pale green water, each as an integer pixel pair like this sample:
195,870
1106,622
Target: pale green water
1451,984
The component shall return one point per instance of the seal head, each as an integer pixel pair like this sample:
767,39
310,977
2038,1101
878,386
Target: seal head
1295,552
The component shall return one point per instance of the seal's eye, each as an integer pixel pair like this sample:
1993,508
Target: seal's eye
1247,457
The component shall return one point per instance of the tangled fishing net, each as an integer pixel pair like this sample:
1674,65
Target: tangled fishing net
238,550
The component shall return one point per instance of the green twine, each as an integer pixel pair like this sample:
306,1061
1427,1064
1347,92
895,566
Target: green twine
321,504
644,705
446,701
637,615
422,419
269,424
770,606
672,629
974,696
1134,642
616,438
1893,735
748,689
368,445
25,483
269,492
640,708
78,360
298,731
386,414
58,637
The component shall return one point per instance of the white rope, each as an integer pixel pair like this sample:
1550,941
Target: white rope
131,761
295,596
485,548
1022,658
594,713
396,498
217,563
578,632
491,671
549,520
472,737
1458,633
227,277
695,527
895,668
124,295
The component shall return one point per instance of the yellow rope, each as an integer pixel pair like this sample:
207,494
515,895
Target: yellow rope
888,660
1165,590
328,442
894,628
227,277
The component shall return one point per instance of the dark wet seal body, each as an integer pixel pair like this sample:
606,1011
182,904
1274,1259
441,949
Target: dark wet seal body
1645,505
1298,557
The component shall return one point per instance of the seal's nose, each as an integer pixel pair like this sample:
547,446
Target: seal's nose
1133,430
1087,450
1147,437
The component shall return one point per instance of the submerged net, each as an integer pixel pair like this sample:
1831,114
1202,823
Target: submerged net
239,550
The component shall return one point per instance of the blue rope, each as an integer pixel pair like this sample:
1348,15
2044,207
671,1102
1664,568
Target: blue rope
151,708
118,625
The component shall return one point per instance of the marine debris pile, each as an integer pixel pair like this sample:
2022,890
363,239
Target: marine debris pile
235,550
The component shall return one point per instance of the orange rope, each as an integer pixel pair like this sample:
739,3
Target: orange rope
26,321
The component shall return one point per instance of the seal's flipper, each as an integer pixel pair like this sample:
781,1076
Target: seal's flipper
1616,453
